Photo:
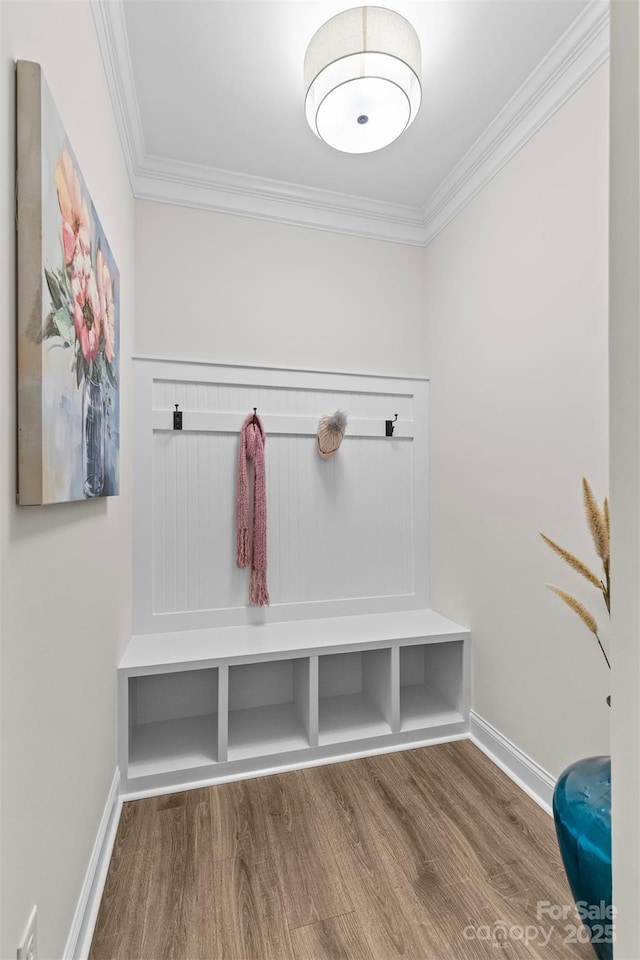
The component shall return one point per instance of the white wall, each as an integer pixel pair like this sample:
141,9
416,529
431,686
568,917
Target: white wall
233,290
516,299
625,469
66,570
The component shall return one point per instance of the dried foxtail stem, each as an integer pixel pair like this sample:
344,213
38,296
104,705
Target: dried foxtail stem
606,586
596,521
600,528
573,561
604,655
578,608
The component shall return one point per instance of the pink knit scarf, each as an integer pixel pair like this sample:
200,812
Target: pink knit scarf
252,448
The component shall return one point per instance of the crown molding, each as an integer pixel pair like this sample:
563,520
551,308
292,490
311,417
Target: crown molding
108,17
575,57
191,185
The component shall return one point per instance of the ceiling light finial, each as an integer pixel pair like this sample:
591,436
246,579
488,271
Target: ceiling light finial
362,79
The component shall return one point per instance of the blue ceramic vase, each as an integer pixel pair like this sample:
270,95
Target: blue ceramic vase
582,813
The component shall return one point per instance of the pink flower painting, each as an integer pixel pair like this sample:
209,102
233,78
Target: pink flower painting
82,317
68,353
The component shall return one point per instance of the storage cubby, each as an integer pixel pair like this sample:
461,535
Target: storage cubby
355,695
269,707
173,721
431,685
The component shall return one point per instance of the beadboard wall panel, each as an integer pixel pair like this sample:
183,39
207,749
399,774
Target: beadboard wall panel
345,535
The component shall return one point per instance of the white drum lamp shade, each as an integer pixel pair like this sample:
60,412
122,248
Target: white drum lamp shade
362,79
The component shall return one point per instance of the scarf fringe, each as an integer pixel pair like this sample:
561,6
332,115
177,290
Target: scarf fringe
258,592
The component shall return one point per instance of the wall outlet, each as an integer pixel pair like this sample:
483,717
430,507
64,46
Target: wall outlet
28,946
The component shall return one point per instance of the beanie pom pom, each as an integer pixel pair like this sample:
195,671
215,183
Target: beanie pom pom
337,422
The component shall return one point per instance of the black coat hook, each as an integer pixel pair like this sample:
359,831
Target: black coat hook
255,417
177,418
388,426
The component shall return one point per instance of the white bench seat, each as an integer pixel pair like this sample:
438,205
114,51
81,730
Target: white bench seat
203,706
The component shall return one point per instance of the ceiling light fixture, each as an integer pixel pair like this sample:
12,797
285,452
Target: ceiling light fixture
362,77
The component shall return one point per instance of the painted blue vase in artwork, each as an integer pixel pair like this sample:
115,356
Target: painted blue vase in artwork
582,814
92,438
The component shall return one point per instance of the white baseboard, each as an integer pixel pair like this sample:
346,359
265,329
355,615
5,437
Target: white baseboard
529,775
84,920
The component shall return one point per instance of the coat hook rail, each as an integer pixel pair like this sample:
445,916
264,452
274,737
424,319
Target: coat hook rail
275,424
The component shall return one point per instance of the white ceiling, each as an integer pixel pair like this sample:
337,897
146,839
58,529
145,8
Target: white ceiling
209,95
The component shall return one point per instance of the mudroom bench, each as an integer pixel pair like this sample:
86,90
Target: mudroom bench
203,706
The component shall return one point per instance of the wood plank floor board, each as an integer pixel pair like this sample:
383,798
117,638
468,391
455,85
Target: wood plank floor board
136,825
239,822
483,788
219,916
523,833
118,932
310,884
533,826
341,938
196,910
429,854
184,798
164,934
276,940
488,836
419,829
410,828
485,779
346,811
248,917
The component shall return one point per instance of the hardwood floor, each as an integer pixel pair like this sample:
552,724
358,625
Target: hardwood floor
430,854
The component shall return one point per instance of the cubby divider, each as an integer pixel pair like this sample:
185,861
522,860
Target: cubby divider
223,713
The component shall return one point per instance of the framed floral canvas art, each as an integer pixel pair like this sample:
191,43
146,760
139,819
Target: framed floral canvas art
68,315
